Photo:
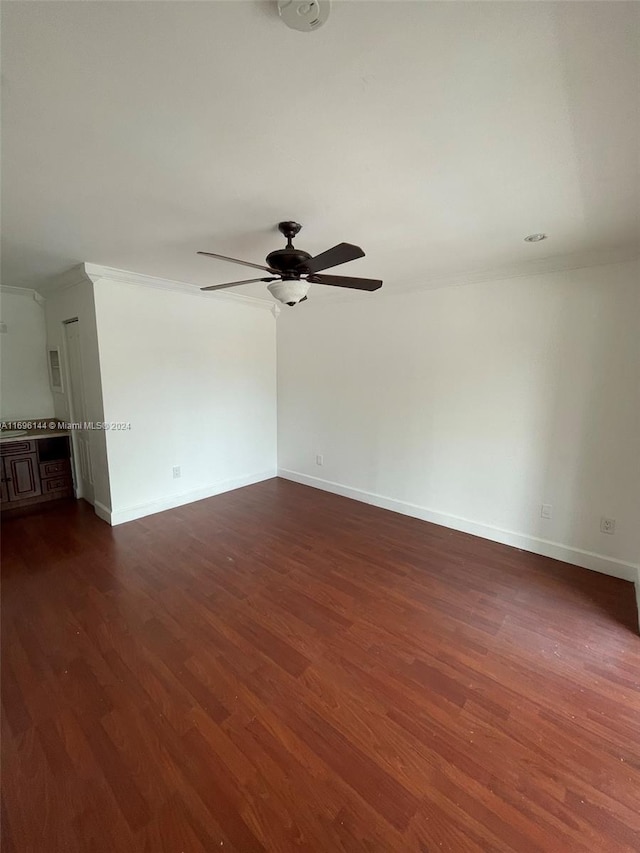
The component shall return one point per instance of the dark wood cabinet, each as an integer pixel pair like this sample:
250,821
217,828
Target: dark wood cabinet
21,476
35,470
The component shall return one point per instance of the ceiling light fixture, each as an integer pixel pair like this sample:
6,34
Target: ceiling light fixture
304,15
293,271
535,238
289,290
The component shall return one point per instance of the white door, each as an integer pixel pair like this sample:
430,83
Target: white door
80,437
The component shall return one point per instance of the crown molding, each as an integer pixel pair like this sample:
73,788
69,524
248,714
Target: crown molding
96,272
544,266
87,272
70,278
17,291
23,291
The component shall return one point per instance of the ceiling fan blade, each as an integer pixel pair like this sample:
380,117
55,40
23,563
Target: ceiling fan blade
236,261
339,254
346,281
234,283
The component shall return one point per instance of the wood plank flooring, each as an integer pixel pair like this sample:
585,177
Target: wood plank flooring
279,669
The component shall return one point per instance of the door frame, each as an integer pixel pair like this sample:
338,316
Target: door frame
76,472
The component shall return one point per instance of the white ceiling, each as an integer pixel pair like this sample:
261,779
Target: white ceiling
434,135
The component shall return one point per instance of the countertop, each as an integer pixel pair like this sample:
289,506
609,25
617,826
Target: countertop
31,434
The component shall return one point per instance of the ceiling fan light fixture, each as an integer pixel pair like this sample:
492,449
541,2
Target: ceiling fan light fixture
296,270
289,291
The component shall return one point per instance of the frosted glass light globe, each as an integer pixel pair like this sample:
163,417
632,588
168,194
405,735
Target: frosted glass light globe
290,291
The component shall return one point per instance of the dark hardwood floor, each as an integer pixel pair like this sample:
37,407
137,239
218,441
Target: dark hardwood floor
278,668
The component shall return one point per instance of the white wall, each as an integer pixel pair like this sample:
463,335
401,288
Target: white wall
78,301
473,405
196,378
24,377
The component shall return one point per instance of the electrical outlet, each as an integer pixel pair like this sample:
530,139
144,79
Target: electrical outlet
177,473
546,511
319,459
607,525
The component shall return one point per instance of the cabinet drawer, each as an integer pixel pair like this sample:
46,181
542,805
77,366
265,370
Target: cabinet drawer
11,448
55,484
53,469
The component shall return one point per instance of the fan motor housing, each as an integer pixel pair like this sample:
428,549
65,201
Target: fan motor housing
288,260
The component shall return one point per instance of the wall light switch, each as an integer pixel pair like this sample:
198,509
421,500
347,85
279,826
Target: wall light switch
546,511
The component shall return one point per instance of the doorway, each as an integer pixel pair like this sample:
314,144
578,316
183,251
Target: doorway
77,409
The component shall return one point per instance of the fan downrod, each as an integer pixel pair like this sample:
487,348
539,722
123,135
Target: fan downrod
288,261
289,229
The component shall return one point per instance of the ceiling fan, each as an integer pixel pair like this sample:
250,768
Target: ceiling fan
295,270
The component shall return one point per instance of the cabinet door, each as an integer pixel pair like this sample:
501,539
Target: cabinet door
4,493
22,476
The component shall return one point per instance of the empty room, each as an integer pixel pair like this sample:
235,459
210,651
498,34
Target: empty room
320,426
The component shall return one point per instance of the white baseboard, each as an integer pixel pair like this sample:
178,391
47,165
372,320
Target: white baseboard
102,511
544,547
120,515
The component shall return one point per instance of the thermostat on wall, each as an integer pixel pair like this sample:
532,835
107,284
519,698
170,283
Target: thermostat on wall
304,15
